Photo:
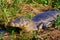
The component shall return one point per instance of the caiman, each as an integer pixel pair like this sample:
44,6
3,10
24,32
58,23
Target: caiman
41,20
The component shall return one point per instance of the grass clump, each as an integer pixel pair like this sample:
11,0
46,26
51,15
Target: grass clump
57,22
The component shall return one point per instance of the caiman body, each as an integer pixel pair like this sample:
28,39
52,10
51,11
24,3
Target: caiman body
42,20
46,18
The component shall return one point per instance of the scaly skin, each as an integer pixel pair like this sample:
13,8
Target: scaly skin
43,19
24,24
46,18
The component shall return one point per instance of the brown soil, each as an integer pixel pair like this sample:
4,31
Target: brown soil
51,34
34,8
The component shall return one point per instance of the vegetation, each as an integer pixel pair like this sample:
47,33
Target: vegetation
57,22
10,9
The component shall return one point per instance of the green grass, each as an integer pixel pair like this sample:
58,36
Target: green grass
10,9
57,22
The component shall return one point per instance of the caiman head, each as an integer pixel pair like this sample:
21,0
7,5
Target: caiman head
24,24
